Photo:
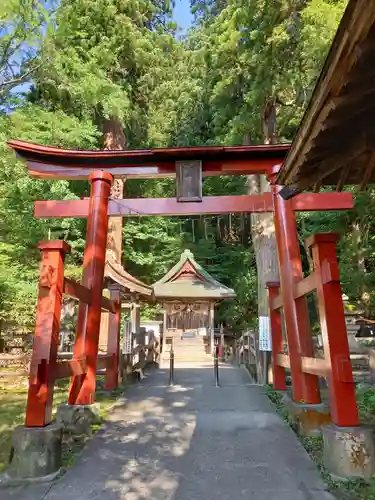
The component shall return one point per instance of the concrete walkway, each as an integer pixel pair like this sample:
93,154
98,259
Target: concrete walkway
192,441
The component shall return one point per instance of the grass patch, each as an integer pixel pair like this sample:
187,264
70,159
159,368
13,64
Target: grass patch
344,490
13,397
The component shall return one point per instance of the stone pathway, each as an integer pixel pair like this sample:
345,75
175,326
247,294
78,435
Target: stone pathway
192,441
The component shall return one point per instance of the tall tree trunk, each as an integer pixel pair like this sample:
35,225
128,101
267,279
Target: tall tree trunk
357,231
263,237
114,138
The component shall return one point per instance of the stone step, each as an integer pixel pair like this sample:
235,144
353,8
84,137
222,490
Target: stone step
189,357
362,376
189,351
187,348
207,362
181,342
360,361
193,352
191,346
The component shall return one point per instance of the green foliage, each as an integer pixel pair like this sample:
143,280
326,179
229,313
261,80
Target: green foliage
104,60
366,405
17,289
21,33
19,259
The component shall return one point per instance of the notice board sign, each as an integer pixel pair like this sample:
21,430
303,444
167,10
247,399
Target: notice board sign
189,181
127,342
265,342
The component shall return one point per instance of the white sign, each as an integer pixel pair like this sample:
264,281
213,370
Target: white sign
127,343
265,341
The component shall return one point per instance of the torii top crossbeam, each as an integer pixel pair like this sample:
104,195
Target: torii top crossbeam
58,163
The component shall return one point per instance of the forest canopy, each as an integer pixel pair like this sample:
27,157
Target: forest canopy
71,67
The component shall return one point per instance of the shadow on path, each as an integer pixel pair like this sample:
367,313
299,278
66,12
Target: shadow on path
192,441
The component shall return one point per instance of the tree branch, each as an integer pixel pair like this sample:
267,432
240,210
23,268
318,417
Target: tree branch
20,79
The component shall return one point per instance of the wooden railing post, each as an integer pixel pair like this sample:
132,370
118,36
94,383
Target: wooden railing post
113,342
46,336
279,382
335,338
82,388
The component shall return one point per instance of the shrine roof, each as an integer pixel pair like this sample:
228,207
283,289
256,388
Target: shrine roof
335,142
59,163
187,279
129,283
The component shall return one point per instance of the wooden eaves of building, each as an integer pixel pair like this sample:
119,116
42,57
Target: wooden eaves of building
133,293
335,143
133,288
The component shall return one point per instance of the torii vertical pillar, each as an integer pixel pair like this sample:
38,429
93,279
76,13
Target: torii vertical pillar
135,319
113,339
305,386
82,389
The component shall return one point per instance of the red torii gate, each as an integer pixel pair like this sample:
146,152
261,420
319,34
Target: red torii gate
99,167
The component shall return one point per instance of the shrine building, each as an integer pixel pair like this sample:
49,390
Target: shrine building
189,294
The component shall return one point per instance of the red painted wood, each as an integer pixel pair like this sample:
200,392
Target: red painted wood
315,366
157,206
305,286
335,339
46,336
121,156
82,390
57,163
104,361
305,386
209,205
112,373
108,305
64,369
79,344
158,170
154,170
317,202
83,294
277,302
283,360
77,291
187,271
279,382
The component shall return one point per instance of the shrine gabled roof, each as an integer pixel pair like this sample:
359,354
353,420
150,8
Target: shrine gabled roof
59,163
334,145
196,283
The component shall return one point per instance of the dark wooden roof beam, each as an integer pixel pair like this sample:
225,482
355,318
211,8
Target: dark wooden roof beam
360,83
343,177
320,153
353,108
330,165
341,109
369,171
317,187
